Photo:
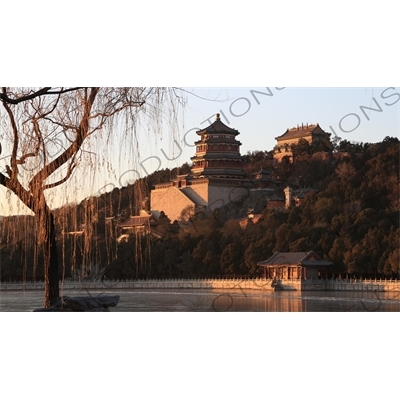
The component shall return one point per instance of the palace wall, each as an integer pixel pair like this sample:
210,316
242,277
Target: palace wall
202,190
220,196
170,200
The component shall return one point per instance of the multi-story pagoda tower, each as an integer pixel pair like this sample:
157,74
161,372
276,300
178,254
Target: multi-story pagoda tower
217,153
217,176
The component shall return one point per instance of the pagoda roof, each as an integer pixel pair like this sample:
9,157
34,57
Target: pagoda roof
301,131
218,127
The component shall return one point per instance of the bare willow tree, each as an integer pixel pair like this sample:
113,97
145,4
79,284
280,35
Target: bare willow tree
32,120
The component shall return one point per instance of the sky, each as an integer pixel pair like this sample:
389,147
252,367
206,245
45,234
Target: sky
260,114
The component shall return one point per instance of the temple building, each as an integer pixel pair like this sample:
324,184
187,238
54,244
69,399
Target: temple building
216,178
312,133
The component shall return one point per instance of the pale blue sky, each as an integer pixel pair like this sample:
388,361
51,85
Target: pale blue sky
260,117
266,117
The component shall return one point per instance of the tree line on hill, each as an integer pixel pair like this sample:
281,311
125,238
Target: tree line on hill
351,218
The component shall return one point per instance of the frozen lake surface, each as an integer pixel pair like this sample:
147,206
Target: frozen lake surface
208,300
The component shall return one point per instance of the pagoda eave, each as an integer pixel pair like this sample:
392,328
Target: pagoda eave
210,157
220,141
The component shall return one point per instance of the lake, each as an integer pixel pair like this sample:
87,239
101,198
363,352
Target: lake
214,300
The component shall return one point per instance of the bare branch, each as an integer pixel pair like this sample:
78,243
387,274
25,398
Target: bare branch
3,180
8,170
24,195
71,168
38,93
24,157
8,100
105,115
82,133
62,91
13,161
61,125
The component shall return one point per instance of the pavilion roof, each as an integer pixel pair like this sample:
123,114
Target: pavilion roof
135,221
296,258
300,131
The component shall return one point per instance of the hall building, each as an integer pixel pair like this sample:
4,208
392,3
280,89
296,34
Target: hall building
312,133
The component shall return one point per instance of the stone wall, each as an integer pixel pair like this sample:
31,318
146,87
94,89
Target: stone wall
220,196
202,190
170,200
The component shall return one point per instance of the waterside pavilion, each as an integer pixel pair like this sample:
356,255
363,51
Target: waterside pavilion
298,265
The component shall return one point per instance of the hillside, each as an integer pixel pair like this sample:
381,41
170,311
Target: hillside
351,216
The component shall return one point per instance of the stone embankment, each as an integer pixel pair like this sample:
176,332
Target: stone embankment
371,285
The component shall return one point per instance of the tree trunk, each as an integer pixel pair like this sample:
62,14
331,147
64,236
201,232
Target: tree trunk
49,245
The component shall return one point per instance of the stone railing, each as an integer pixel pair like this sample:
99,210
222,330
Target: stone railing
218,283
215,283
